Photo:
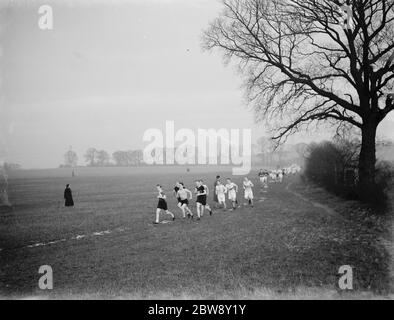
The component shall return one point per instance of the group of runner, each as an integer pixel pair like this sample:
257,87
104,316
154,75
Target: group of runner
201,190
273,175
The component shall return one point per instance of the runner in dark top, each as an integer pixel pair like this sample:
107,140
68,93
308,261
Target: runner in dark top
162,205
201,202
179,204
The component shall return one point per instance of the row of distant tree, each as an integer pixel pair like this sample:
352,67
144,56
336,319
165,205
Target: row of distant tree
8,166
101,158
269,154
12,166
265,152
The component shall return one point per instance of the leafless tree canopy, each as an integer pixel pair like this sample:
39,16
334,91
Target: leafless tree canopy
311,60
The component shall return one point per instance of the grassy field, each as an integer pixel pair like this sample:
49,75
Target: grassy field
287,246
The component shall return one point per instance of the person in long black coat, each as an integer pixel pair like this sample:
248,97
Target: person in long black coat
215,196
68,197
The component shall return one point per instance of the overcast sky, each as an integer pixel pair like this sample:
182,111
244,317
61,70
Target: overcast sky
108,72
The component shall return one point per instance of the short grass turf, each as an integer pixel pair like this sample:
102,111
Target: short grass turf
283,247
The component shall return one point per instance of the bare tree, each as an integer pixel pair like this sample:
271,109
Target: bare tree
301,149
91,156
120,158
70,159
102,158
136,157
307,61
266,148
128,158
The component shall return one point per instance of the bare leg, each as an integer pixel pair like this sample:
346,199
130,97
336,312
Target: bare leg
202,210
183,211
171,214
198,208
157,215
188,210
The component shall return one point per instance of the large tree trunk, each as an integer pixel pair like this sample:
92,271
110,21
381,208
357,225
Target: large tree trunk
367,158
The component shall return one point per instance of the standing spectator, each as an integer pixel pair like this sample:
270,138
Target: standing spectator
68,197
215,196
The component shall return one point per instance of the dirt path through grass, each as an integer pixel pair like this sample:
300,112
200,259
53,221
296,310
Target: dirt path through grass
385,239
318,205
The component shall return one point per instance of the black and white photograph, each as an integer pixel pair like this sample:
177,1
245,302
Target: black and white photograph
196,151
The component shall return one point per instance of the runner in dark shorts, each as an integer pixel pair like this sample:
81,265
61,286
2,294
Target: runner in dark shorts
207,193
162,205
184,194
202,199
179,204
201,203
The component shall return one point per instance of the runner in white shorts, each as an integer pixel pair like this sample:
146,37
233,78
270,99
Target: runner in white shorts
232,190
248,185
221,193
263,175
